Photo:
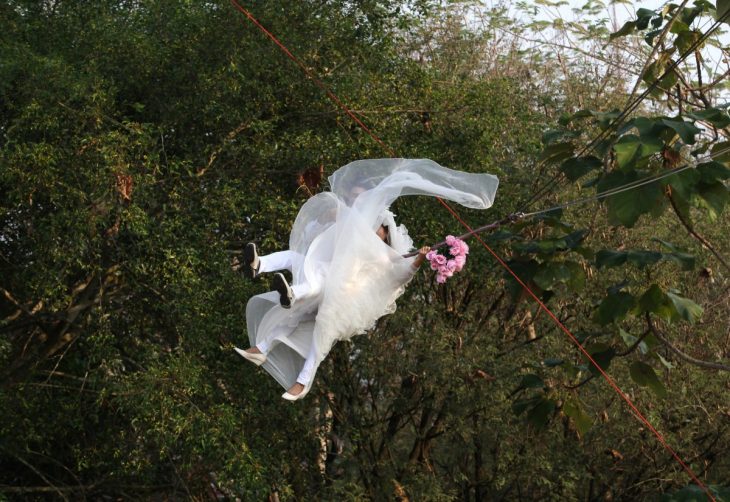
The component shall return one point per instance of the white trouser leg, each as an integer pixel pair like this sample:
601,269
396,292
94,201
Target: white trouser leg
307,374
301,290
276,261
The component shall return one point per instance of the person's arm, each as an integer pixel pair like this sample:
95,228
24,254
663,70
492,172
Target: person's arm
420,257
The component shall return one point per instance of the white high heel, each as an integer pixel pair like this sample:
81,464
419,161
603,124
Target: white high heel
292,397
257,359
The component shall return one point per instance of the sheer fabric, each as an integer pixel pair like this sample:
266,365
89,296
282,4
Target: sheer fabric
336,253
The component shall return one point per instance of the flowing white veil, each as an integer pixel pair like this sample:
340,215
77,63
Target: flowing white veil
357,277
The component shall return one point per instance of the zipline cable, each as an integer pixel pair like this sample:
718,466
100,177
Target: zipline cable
611,382
512,217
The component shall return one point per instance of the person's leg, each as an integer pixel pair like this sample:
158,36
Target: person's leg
301,290
288,294
281,260
259,348
306,375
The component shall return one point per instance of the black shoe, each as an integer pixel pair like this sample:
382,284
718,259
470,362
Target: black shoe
282,287
251,262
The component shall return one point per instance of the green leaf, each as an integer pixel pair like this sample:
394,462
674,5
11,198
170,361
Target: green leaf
644,375
656,302
521,405
641,258
656,71
539,415
631,148
524,269
625,208
630,340
645,13
553,244
614,307
721,152
714,197
683,207
627,29
607,258
694,493
713,171
722,10
649,37
568,273
662,360
715,116
602,354
553,135
531,381
582,421
684,183
686,260
685,130
685,308
678,27
557,152
605,119
580,114
689,15
577,167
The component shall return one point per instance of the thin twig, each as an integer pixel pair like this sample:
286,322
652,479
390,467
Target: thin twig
682,355
694,233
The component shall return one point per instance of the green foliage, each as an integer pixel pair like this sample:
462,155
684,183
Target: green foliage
574,410
644,375
142,144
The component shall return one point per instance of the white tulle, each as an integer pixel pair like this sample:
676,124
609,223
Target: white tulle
356,276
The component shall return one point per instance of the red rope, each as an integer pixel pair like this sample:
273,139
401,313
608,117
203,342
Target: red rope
314,79
544,307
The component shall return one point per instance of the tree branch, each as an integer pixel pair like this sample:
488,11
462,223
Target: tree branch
694,233
657,44
685,357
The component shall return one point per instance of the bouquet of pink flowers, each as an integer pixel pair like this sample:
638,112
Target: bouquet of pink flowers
446,266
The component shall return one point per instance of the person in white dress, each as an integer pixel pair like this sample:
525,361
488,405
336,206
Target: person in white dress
346,259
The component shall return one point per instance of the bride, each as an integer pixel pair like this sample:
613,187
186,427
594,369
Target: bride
345,256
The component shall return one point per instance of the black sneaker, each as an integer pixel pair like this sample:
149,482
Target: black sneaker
251,262
282,287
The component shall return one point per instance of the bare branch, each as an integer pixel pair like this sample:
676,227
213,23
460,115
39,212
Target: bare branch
682,355
696,234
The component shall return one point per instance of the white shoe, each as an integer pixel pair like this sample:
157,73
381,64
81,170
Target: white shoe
257,359
251,262
286,295
292,397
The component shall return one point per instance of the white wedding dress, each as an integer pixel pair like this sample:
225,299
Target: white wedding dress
351,277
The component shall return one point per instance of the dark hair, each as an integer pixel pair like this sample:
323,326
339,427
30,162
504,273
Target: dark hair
387,233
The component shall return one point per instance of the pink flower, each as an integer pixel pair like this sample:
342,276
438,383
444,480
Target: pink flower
459,248
446,267
431,257
445,271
